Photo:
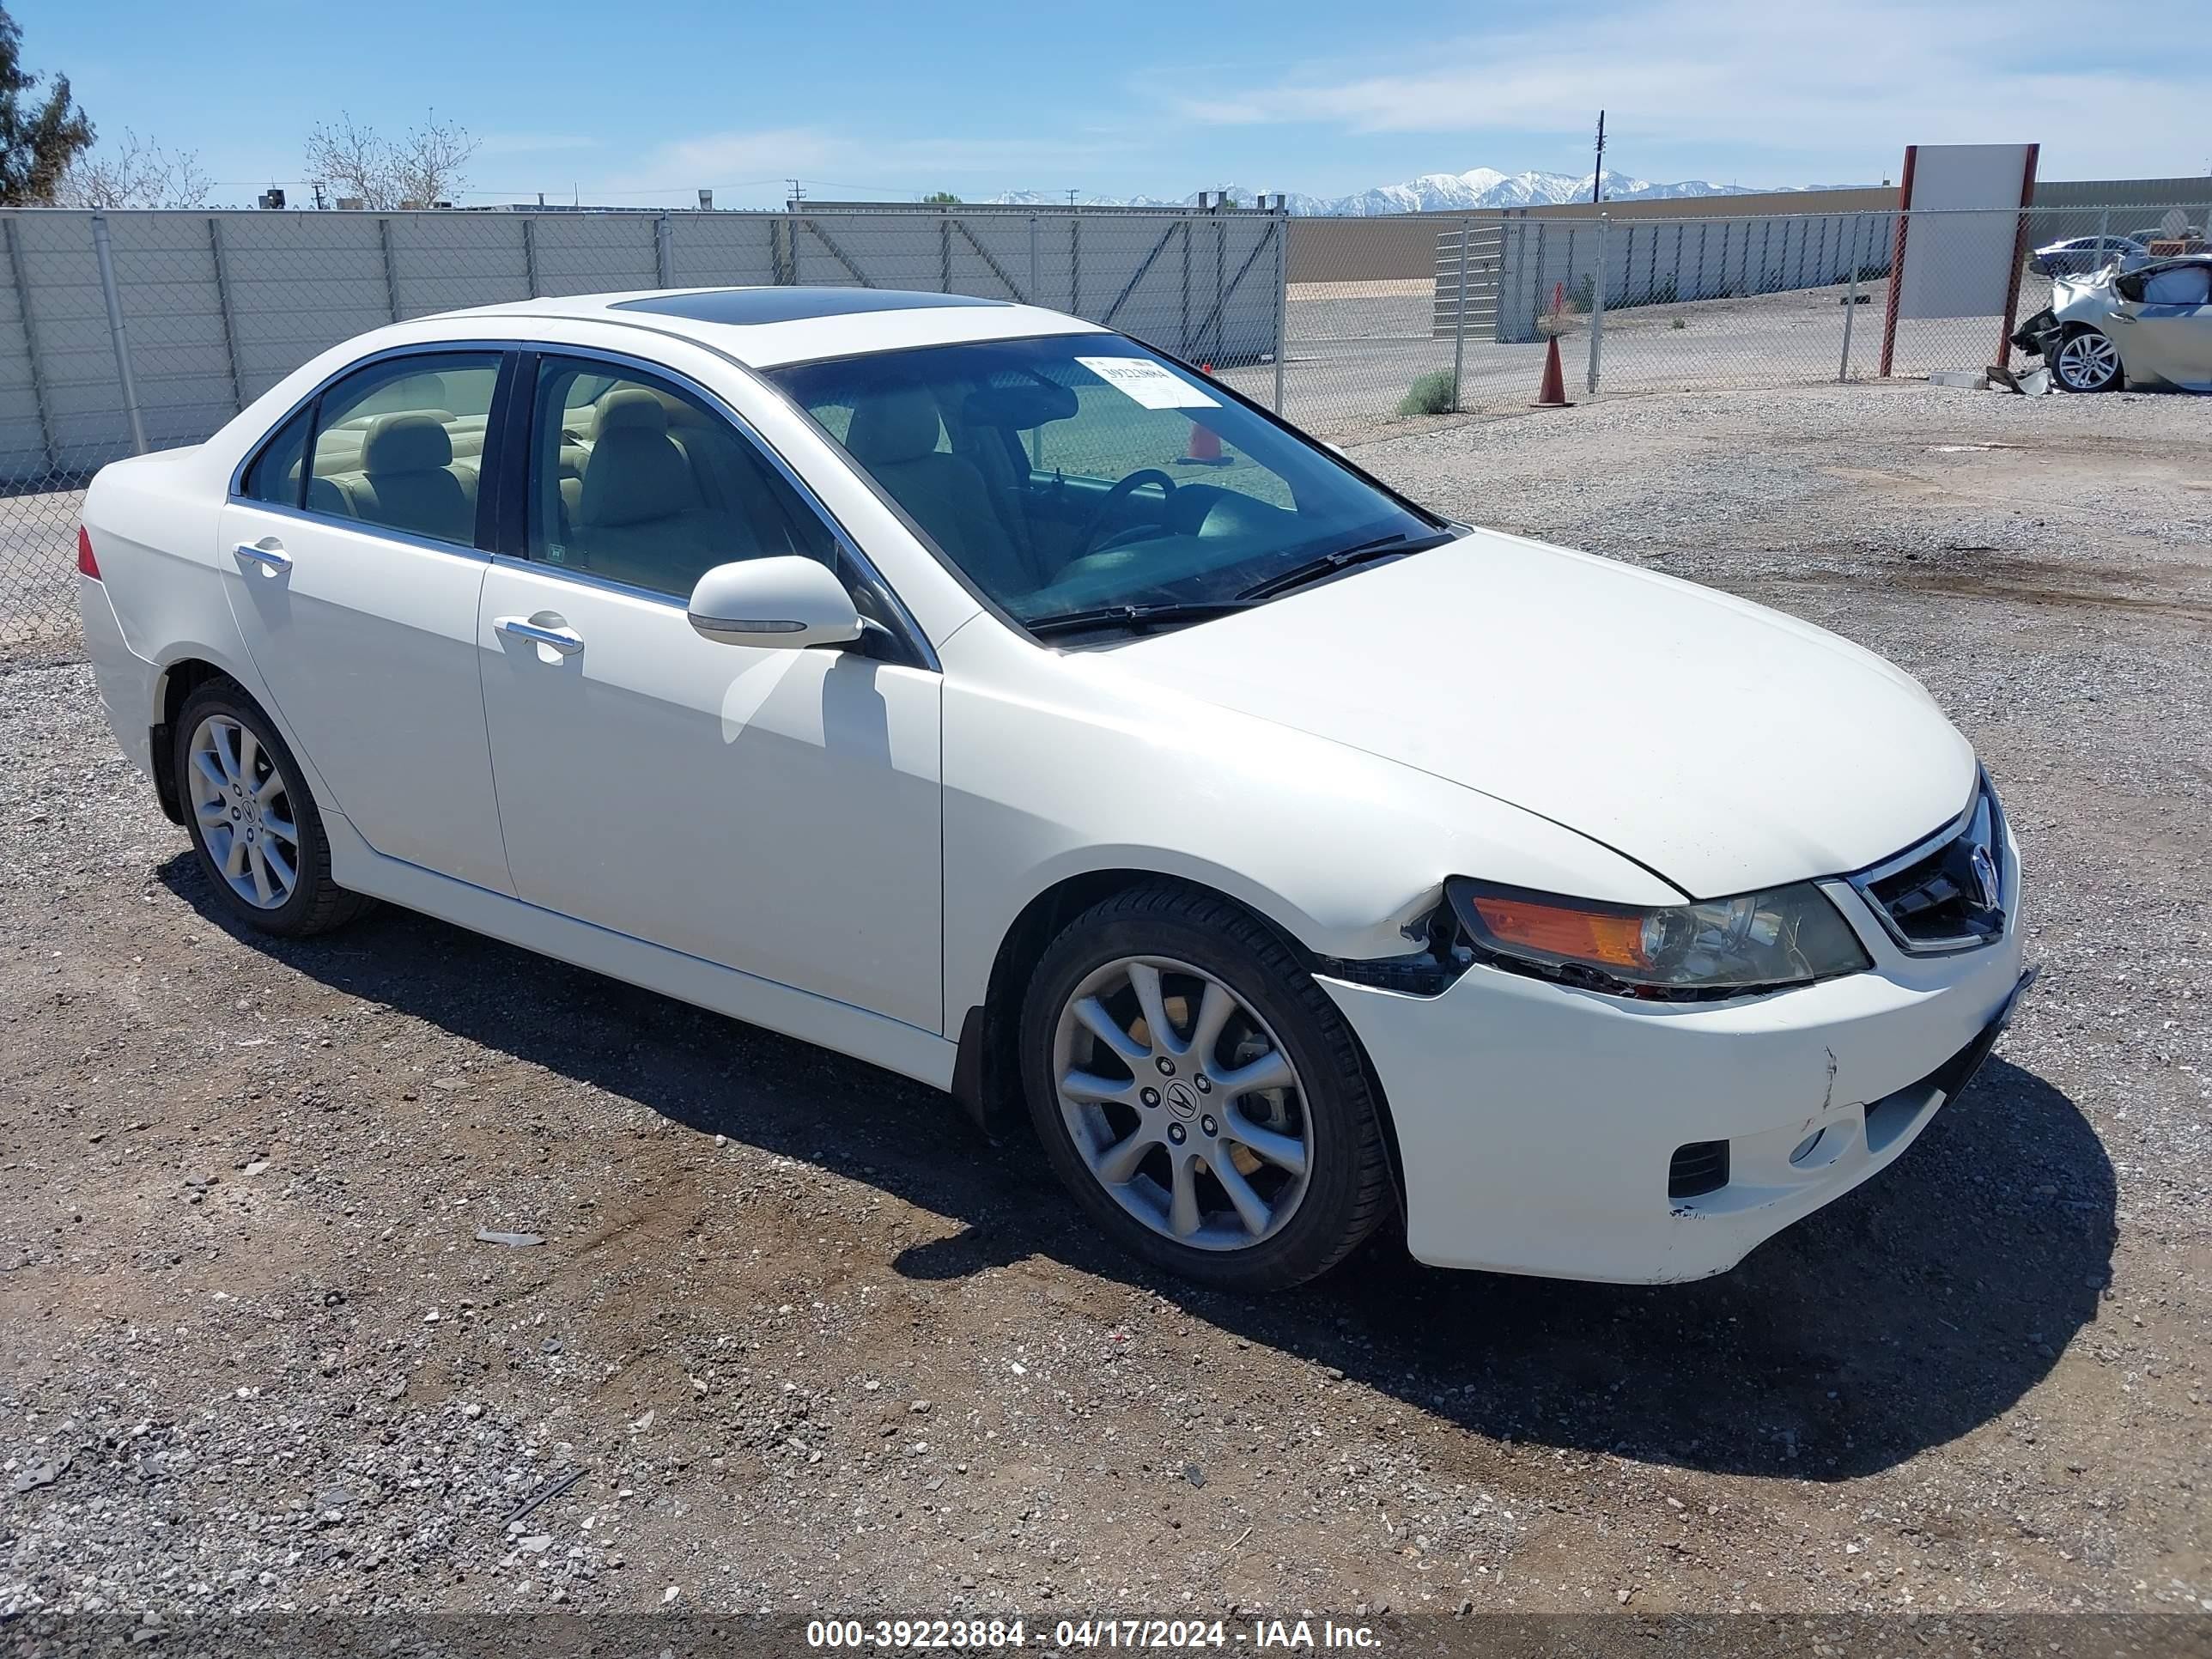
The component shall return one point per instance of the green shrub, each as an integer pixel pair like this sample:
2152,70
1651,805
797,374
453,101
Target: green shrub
1430,394
1583,297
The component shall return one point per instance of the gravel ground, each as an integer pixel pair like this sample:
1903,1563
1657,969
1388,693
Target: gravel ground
794,1339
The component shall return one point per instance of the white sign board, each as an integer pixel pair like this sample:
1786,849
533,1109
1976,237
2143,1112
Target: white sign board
1963,204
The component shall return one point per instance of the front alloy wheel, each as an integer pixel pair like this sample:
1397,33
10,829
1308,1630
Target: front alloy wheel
1182,1103
1199,1093
2088,361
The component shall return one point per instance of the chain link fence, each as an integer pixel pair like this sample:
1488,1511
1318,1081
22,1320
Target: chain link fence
1433,315
124,331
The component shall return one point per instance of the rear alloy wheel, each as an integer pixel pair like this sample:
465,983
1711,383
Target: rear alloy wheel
253,822
2088,361
1199,1095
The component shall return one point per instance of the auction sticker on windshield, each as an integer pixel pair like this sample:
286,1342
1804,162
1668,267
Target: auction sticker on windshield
1148,383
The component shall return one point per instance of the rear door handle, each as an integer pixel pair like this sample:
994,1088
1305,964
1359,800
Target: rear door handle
565,639
270,557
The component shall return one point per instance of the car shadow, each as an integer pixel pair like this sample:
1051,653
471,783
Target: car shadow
1902,1316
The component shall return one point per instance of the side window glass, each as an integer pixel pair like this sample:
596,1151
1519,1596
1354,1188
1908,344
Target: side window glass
639,481
274,477
400,444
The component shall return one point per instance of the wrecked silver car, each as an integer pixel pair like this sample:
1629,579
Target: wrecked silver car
2148,326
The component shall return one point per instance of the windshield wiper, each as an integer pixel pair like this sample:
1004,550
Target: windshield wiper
1131,616
1382,547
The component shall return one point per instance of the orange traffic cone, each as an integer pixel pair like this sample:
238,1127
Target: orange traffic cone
1552,393
1204,449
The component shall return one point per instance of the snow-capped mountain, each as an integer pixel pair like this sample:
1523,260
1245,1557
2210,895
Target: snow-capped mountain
1477,187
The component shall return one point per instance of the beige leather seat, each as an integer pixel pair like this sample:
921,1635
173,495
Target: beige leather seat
408,480
894,436
637,514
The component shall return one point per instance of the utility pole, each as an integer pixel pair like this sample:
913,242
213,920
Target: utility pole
1071,198
1597,174
796,194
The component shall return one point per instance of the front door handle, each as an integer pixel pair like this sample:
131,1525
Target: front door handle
269,554
561,638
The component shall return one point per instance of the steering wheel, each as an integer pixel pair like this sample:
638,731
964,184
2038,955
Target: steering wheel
1088,541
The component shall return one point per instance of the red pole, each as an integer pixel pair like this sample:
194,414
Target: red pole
1897,260
2019,258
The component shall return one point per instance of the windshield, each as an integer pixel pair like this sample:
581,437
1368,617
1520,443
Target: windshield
1081,472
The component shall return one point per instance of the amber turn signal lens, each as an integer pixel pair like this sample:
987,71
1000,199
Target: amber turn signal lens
1557,931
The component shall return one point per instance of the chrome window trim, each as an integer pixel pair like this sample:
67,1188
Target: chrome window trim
1862,882
424,348
907,629
376,531
585,579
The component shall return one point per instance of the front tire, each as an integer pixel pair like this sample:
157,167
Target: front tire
253,822
2088,361
1199,1094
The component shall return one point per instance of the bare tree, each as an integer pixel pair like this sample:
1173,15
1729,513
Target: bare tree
356,163
142,174
352,163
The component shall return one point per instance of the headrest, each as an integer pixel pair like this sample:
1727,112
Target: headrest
405,443
630,406
899,425
634,475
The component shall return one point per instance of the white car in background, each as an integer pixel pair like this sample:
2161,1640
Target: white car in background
2148,326
870,667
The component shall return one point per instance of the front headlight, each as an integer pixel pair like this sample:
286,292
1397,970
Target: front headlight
1721,947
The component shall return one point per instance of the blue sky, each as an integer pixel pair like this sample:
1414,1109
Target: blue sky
644,103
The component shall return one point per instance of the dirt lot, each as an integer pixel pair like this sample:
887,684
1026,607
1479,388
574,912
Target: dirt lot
807,1344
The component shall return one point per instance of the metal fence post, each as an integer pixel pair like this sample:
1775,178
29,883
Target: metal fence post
1075,264
529,256
1459,315
104,256
222,304
1033,260
391,276
1282,299
1850,306
1220,280
31,346
943,251
1183,335
664,251
1597,304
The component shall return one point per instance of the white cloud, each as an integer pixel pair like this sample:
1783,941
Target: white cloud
727,157
533,143
894,167
1795,81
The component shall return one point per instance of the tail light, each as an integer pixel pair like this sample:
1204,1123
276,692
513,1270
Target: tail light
85,564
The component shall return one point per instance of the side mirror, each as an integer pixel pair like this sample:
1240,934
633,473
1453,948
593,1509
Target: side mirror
787,604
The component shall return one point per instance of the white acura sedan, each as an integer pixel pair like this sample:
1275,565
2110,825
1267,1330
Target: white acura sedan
970,689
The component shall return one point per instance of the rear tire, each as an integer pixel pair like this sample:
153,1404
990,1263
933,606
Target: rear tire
253,822
1241,1146
2088,361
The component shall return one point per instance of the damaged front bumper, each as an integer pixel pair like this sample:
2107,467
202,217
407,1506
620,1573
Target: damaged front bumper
1541,1127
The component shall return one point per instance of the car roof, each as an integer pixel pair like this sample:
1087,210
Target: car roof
765,327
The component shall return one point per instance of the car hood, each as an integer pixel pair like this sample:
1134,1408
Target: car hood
1725,746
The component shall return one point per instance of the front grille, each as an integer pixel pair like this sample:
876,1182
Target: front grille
1946,894
1702,1166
